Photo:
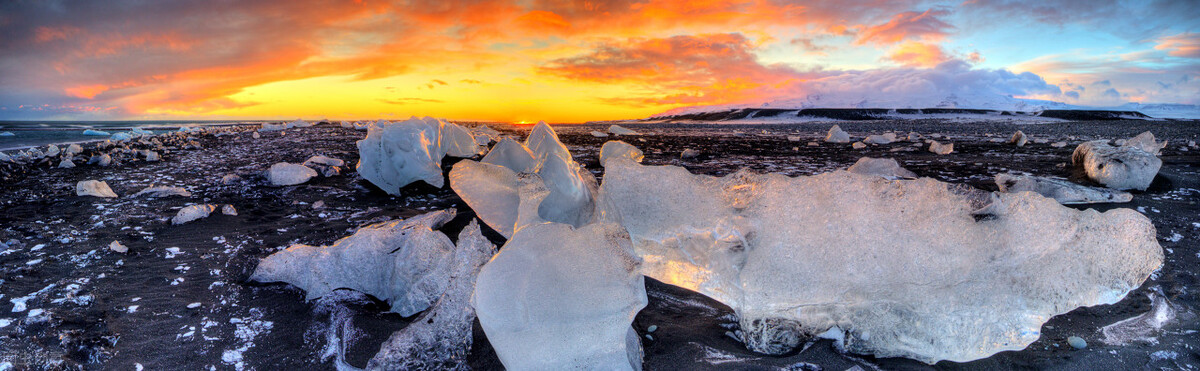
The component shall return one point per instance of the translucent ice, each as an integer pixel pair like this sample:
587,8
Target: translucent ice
1143,327
836,135
394,155
440,338
1125,167
163,191
572,189
559,298
543,142
1060,190
1145,141
458,141
880,139
191,213
490,190
909,268
512,155
93,188
1019,139
286,174
620,130
403,262
940,148
615,148
883,167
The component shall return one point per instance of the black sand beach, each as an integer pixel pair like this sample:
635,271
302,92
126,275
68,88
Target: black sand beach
87,307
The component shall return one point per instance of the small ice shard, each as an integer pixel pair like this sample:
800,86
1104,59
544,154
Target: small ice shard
1125,167
914,136
6,134
270,127
1019,139
228,210
394,155
512,155
286,174
101,159
1143,327
96,132
940,148
120,137
152,156
836,135
490,190
116,246
53,150
256,135
615,148
1058,144
346,125
908,268
163,191
598,134
880,139
93,188
72,150
1064,192
689,153
441,338
404,263
794,138
620,130
328,166
230,179
364,126
560,298
1145,141
457,141
883,167
300,124
192,213
66,164
858,145
5,157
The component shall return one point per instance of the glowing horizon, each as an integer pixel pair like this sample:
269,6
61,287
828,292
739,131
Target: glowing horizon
514,61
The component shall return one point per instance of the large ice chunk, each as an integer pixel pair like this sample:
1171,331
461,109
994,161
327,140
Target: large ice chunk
440,338
561,298
1145,141
405,263
572,191
394,155
1060,190
512,155
615,148
1124,167
618,130
543,142
883,167
909,268
490,190
286,174
458,141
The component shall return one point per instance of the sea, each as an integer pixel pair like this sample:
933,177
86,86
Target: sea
26,134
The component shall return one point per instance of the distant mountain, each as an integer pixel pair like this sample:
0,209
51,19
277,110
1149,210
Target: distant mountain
994,102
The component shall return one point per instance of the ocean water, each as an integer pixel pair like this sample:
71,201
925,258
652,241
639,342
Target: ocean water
39,133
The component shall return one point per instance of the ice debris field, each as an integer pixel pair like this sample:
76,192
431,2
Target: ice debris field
555,260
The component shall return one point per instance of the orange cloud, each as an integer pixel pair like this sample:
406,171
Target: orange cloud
918,54
1186,45
907,25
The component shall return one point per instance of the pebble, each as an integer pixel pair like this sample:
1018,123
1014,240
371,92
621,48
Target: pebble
652,328
194,305
118,247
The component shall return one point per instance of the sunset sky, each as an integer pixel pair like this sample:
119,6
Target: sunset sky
571,61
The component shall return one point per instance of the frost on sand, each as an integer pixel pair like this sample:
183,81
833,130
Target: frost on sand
896,268
404,263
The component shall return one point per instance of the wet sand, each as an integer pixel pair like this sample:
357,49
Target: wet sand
101,309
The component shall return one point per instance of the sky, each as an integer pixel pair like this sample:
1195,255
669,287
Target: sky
572,61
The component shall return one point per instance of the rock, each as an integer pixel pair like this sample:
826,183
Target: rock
230,179
163,191
66,164
813,144
689,154
116,246
1064,192
941,149
914,137
94,188
255,135
152,156
858,145
1019,139
1123,168
1077,342
882,167
101,159
286,174
598,134
1058,144
794,138
191,213
229,210
891,268
621,131
880,139
53,150
836,135
615,148
404,263
549,284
